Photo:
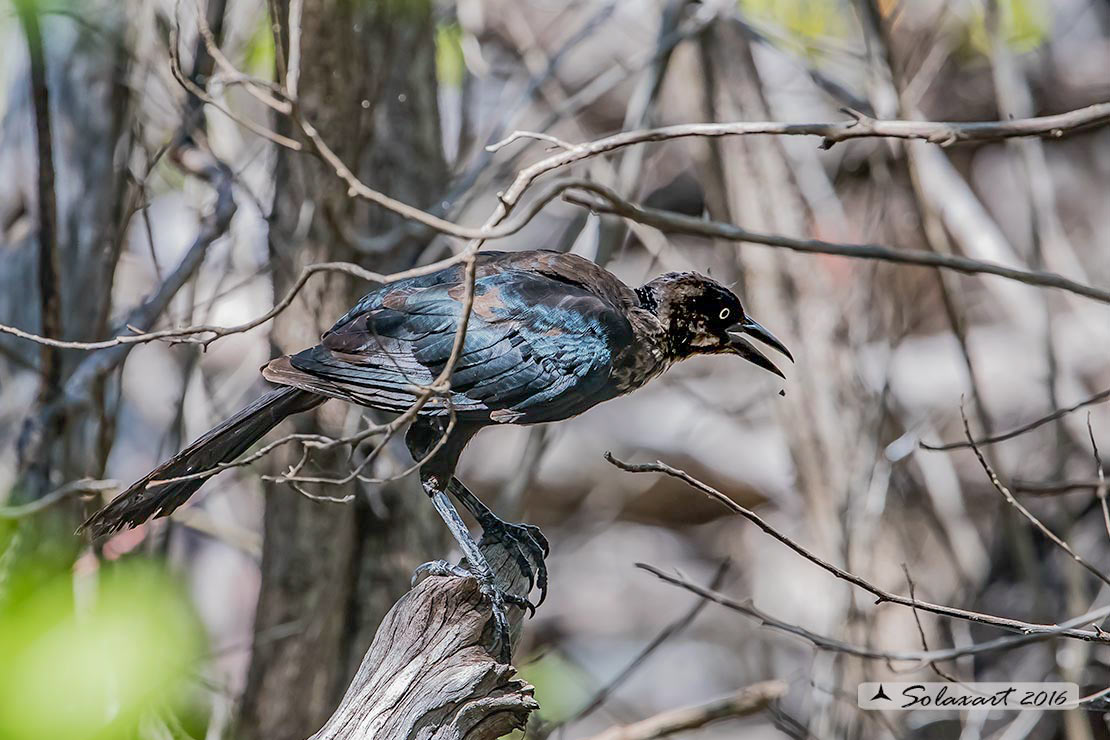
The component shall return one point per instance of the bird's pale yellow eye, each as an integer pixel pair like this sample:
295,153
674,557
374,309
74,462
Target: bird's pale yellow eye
724,313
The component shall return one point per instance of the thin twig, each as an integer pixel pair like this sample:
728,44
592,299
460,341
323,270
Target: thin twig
918,657
223,331
669,221
84,485
664,220
1100,397
202,95
667,633
315,441
1100,490
1054,488
1009,497
882,595
921,630
517,135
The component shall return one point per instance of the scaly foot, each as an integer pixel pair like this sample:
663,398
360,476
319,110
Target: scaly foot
528,547
498,598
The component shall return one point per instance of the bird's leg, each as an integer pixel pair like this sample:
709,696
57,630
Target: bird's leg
477,567
525,541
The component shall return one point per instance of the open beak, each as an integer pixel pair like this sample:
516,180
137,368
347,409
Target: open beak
739,345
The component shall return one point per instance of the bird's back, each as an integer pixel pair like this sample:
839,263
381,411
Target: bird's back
545,332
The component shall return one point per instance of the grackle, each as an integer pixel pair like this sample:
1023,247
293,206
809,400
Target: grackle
550,335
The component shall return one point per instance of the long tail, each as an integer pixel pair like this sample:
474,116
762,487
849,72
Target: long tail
220,444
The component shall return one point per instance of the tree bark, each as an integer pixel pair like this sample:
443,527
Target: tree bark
431,672
368,84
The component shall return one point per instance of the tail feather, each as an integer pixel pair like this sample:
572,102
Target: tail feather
221,444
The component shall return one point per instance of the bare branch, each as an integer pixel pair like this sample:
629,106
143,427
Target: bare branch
665,634
919,657
261,89
82,486
1100,489
669,221
863,126
664,220
315,441
1009,497
921,630
1054,488
202,95
293,75
1097,398
881,594
517,135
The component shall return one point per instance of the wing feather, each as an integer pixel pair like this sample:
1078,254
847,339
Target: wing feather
538,347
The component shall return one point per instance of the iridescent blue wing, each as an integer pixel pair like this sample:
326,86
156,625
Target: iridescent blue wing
538,347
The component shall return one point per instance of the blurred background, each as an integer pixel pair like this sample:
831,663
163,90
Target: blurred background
246,613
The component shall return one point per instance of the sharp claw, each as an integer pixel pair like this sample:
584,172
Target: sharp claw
543,588
537,535
529,549
520,601
525,566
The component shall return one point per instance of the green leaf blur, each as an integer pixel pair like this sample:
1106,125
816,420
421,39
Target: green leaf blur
450,67
75,670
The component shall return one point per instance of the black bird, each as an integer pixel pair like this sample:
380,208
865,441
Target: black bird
550,336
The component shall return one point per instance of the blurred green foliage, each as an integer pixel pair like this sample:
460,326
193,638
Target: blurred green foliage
1025,25
450,66
561,685
259,57
75,670
806,22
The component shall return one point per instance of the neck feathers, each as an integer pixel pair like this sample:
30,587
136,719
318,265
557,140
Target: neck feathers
648,301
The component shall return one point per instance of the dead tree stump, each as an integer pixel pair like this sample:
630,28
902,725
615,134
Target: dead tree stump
430,672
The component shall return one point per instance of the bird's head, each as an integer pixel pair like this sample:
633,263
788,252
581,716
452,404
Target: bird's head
703,317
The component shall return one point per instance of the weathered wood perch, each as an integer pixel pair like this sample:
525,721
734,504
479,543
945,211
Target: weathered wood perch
431,672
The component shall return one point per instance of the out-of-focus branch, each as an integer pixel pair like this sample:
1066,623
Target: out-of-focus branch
1054,488
293,73
921,630
746,701
602,694
47,226
881,594
77,487
213,226
669,221
34,463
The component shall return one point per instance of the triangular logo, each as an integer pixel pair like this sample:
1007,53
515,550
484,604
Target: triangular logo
880,694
